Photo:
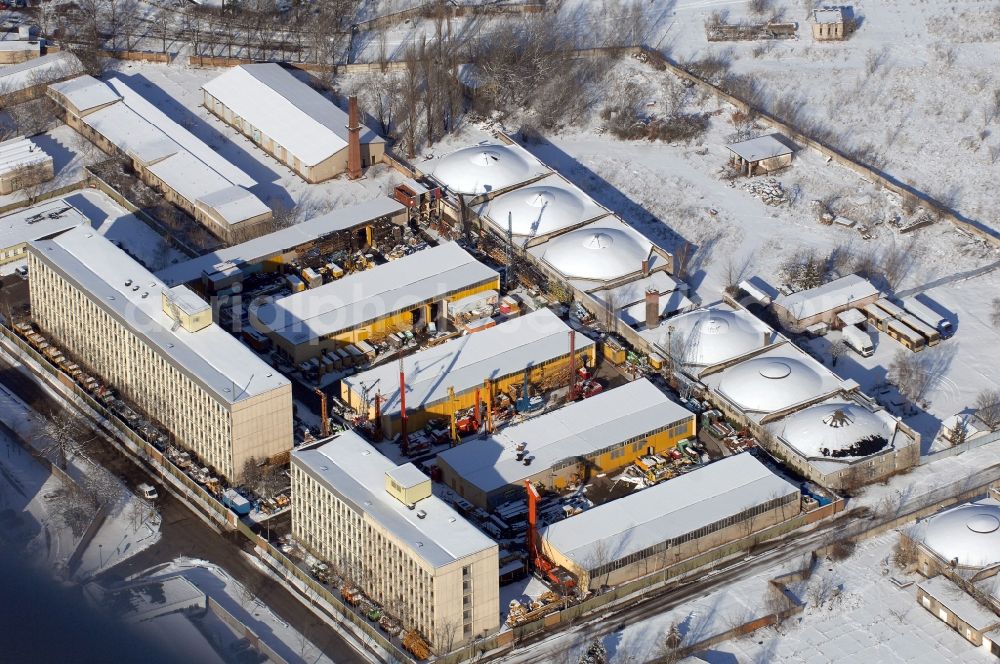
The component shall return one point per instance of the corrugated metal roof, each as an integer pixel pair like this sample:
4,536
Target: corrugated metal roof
576,430
666,511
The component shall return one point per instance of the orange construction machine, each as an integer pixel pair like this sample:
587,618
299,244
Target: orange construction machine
545,567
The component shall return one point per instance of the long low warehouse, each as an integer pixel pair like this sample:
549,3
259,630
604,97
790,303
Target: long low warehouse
599,435
670,522
370,224
491,360
399,295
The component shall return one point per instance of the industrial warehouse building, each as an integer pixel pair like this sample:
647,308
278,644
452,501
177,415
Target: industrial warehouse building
675,520
800,411
38,222
409,292
28,80
958,549
382,529
484,363
23,164
371,224
806,308
290,120
159,348
538,211
481,172
567,446
189,173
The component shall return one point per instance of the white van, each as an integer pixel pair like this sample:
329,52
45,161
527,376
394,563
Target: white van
859,341
148,491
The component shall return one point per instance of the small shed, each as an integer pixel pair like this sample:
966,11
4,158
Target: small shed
763,154
831,23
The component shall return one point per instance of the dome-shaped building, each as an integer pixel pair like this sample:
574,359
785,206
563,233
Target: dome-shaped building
481,169
537,210
598,252
769,384
712,336
968,535
837,430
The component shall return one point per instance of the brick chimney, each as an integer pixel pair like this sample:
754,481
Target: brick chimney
652,308
645,267
353,139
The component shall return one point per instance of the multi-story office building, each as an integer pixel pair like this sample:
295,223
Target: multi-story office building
160,349
384,531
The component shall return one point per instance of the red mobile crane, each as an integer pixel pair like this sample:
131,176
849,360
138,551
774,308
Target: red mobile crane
554,573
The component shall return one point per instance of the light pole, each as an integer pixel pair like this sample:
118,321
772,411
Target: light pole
100,551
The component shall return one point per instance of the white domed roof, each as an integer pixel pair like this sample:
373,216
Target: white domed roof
481,168
602,253
711,336
969,533
832,429
537,210
767,384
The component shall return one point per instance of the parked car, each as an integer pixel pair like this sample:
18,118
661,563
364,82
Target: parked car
148,491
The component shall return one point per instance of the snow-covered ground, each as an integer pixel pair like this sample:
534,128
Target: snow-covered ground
243,604
852,613
130,525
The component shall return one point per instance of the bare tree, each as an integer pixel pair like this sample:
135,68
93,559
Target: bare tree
735,270
33,117
837,350
904,552
101,487
30,179
909,375
64,435
988,408
378,92
140,511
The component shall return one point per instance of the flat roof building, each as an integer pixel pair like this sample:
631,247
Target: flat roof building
189,173
159,349
289,119
567,446
382,529
352,228
410,291
494,360
670,522
37,222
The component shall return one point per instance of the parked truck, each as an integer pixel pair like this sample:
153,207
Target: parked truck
859,341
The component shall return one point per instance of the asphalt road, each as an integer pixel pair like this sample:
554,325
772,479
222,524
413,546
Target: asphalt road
185,534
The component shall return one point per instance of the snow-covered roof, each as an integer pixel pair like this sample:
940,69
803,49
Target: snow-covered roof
762,147
295,116
45,69
573,431
363,297
464,363
714,335
673,302
20,45
85,93
39,222
635,290
151,112
131,134
255,250
188,176
354,470
604,250
963,605
968,533
775,380
666,511
828,15
481,169
212,357
835,426
837,293
545,207
20,152
234,204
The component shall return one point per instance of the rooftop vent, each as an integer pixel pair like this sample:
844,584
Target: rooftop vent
135,288
421,514
420,545
324,468
128,282
145,295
